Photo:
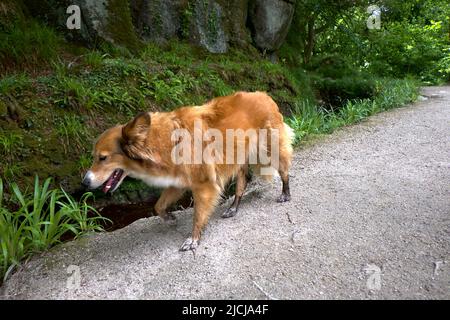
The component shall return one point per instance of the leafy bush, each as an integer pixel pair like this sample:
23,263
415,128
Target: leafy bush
39,220
336,92
408,49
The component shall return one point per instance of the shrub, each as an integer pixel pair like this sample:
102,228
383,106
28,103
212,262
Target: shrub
409,49
337,92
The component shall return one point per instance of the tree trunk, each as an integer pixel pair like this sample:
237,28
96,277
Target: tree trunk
309,43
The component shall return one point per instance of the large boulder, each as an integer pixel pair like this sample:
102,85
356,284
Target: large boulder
212,24
206,25
235,22
270,21
108,20
158,20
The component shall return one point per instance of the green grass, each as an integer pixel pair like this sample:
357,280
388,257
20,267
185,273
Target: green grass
27,45
84,162
11,171
72,132
73,93
39,220
94,59
10,142
13,85
309,119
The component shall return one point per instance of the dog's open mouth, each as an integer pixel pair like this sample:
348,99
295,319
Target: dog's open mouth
113,181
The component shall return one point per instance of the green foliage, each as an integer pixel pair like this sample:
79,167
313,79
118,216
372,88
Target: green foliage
10,142
27,45
95,59
409,49
104,87
13,85
336,92
73,93
84,162
39,220
309,119
73,132
170,88
413,40
313,19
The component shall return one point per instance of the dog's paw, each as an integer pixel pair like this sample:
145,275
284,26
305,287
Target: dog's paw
189,244
230,212
284,198
169,219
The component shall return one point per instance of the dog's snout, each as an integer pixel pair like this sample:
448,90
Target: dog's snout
87,180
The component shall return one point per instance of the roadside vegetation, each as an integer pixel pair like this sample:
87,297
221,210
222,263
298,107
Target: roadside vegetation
34,221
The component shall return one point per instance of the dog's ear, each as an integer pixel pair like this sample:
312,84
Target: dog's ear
134,134
137,128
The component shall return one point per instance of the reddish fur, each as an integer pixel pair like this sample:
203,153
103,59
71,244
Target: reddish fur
151,149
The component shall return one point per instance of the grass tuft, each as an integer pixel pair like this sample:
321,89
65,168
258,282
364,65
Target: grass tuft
39,220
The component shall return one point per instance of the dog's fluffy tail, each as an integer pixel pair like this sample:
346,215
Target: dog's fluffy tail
287,137
290,137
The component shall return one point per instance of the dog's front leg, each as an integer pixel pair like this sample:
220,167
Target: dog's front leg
205,199
168,196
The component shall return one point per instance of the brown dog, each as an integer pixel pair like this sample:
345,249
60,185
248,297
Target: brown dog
199,148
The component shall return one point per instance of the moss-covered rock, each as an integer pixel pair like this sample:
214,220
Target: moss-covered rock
270,22
212,24
108,20
207,27
158,20
235,22
118,25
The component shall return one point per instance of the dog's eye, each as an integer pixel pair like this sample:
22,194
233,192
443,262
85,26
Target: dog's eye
102,158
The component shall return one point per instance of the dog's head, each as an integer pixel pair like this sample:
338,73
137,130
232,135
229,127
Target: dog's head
116,152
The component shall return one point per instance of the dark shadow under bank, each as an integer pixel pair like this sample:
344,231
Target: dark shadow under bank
121,215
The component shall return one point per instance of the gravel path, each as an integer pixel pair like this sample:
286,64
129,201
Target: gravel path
369,218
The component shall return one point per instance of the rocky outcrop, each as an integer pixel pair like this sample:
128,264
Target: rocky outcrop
207,27
270,21
158,20
235,22
108,20
213,24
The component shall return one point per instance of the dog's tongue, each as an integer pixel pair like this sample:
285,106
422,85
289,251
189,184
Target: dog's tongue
109,183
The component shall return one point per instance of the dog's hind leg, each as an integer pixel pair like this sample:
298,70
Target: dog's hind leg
241,184
168,196
205,199
283,170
